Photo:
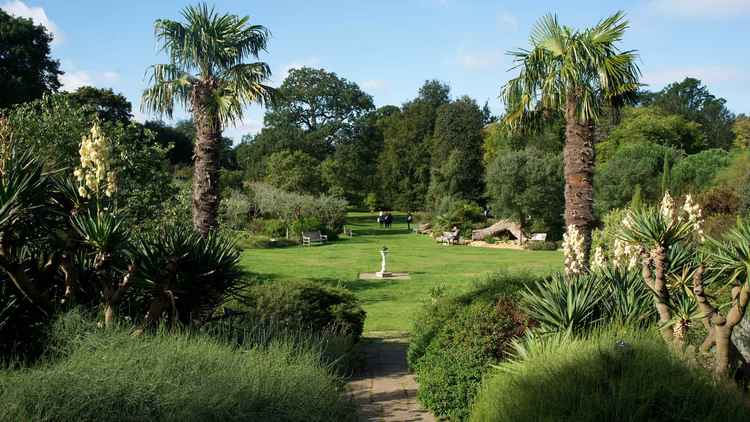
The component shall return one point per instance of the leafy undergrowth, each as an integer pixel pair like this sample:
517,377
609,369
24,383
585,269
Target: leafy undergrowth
91,374
456,339
610,375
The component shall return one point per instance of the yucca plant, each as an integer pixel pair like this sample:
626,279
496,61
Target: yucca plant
730,259
186,275
106,239
25,219
627,300
564,303
657,230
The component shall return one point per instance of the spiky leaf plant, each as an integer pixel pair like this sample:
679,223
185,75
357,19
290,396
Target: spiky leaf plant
564,303
185,274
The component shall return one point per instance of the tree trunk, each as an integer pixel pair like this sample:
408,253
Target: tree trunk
109,315
724,326
206,160
579,175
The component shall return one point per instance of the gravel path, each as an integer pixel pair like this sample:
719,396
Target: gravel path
385,390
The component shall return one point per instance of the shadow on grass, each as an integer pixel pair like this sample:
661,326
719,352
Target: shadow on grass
374,231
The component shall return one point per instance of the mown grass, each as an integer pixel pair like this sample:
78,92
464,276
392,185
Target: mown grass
612,374
391,304
92,374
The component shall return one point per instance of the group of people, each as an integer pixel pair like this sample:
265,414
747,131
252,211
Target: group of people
385,219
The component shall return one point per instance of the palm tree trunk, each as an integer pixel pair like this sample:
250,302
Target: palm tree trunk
206,165
579,174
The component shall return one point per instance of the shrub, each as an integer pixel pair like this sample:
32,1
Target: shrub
235,211
475,337
612,374
186,275
307,304
696,172
456,339
575,304
564,304
109,375
631,165
541,245
452,212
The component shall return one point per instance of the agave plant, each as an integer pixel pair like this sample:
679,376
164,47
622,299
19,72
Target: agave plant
564,303
185,274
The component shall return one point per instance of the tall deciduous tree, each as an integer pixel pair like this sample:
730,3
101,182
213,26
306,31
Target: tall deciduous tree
26,69
457,152
693,101
404,165
208,73
314,99
579,73
107,105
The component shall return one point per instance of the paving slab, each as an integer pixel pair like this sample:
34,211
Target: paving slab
384,389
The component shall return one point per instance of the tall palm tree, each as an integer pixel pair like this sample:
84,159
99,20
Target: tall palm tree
208,75
578,74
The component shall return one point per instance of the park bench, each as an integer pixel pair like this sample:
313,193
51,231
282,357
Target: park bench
449,238
541,237
313,238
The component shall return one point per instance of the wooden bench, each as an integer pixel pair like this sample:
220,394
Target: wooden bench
313,238
450,238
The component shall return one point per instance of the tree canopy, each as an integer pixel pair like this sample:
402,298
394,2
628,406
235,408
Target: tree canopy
26,67
693,101
107,105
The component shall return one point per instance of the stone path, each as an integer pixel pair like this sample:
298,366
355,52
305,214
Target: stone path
385,390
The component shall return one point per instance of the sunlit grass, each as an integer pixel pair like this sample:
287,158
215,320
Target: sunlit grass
391,305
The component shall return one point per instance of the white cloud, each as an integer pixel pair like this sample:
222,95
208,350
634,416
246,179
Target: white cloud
702,8
110,77
75,78
248,125
507,22
279,76
709,75
373,85
480,60
36,14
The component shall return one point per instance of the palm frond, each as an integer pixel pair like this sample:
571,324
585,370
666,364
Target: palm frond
209,50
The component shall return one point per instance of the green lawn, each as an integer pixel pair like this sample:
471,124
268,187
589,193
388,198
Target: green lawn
391,305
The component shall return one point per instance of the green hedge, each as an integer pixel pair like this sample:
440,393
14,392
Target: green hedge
97,375
455,340
307,304
610,375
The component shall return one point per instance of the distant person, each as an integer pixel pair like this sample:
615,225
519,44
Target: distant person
487,214
409,219
388,220
381,219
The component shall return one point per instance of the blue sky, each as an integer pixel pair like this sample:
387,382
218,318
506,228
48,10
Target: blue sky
389,47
